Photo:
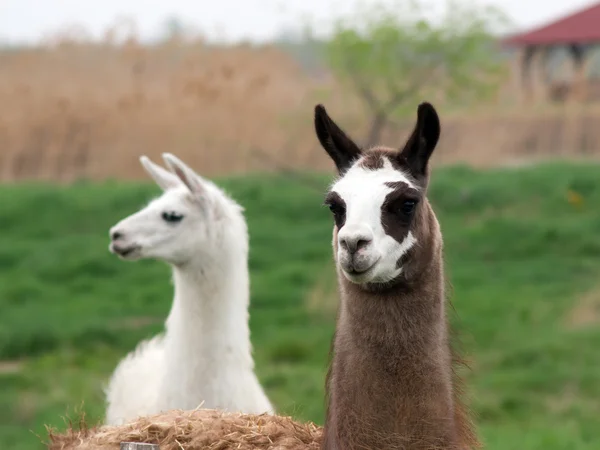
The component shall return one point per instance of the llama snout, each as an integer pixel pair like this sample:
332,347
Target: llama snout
356,253
119,244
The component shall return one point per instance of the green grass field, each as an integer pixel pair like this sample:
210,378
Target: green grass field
522,252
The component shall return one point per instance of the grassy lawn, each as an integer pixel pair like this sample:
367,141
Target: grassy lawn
522,252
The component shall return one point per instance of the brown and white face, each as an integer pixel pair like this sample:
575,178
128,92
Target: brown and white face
377,198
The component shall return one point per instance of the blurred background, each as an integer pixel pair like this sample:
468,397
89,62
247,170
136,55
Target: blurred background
230,87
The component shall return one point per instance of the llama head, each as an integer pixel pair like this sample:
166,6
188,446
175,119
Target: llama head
378,202
189,220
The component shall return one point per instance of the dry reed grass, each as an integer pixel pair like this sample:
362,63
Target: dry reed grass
195,430
89,111
83,110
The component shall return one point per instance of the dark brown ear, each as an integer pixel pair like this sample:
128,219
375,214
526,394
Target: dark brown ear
422,142
336,143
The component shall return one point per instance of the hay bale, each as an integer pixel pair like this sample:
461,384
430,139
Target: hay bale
195,430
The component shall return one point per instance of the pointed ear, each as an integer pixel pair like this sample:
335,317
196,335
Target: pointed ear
422,142
191,179
336,143
162,177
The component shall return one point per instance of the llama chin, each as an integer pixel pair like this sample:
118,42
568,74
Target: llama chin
204,357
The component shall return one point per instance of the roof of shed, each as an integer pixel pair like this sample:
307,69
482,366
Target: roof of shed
581,27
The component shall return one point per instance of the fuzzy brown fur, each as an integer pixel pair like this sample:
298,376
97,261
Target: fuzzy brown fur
195,430
392,382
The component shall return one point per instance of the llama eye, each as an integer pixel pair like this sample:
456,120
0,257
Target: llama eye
407,207
172,216
337,209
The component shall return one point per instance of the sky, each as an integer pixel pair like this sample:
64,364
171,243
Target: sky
28,21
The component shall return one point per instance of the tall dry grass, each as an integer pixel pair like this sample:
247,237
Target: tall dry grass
81,110
89,111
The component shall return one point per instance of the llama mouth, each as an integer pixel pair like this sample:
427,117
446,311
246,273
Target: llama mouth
358,272
355,274
123,252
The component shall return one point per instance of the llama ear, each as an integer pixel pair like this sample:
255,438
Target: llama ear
336,143
422,141
162,177
191,179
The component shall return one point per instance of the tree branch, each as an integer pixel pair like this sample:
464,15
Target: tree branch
402,94
365,92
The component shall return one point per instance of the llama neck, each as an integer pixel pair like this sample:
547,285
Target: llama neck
208,322
390,381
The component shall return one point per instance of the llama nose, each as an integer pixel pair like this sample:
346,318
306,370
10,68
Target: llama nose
355,242
114,235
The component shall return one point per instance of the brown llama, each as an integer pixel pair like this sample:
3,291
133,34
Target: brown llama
391,383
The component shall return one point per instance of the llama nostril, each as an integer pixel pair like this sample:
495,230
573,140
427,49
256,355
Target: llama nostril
362,243
344,244
116,235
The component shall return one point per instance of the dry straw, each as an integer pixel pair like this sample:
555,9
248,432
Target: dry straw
194,430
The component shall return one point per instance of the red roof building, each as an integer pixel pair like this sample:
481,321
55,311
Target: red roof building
582,27
576,32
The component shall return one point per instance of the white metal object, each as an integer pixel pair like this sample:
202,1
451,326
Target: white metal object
138,446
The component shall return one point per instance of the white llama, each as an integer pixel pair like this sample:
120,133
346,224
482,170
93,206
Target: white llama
204,357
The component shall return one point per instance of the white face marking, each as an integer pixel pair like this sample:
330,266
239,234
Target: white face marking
184,222
148,235
364,191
